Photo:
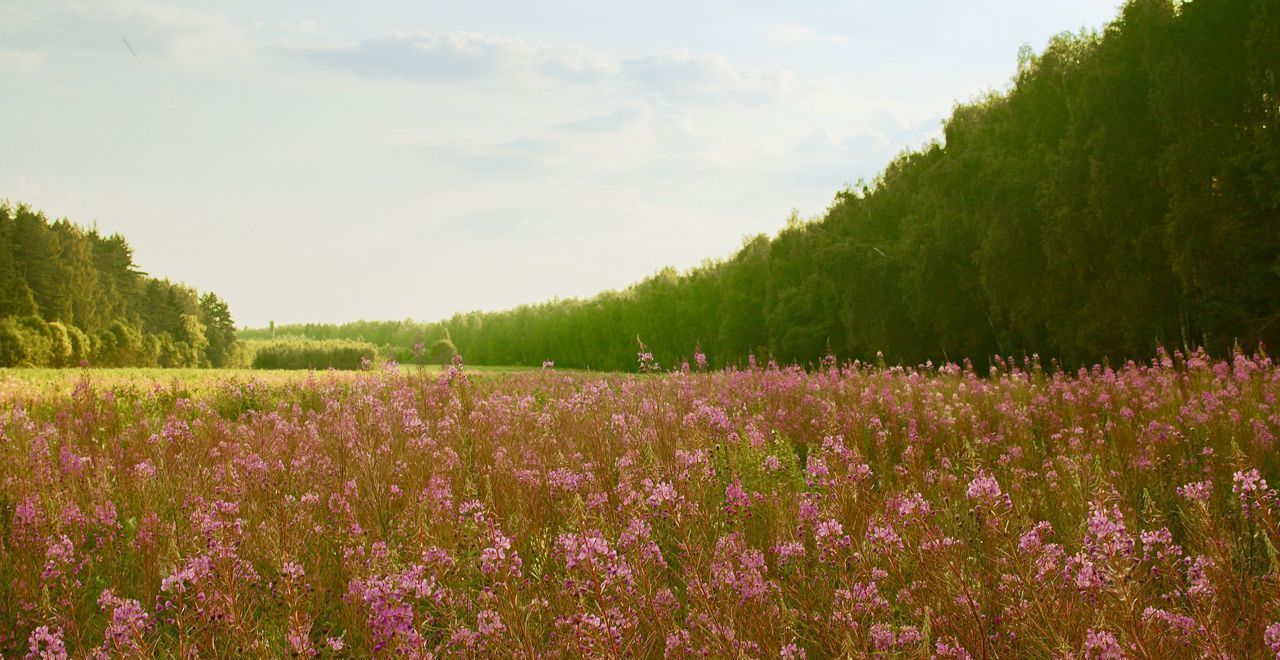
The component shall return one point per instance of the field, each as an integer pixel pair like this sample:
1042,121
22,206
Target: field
762,512
29,383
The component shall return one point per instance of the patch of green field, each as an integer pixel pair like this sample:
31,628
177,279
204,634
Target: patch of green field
37,382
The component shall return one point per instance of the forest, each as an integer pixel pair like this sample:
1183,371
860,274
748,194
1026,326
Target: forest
71,297
1121,194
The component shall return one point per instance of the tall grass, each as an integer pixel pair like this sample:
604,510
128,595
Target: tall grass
762,512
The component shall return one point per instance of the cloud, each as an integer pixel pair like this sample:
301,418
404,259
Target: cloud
462,56
457,56
306,26
576,64
795,34
681,76
803,35
622,118
449,56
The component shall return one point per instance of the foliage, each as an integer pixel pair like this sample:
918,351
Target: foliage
443,351
70,295
1120,194
296,353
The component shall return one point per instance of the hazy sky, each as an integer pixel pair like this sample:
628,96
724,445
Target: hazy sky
312,160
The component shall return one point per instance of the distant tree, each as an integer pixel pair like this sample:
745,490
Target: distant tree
16,298
443,351
219,330
36,253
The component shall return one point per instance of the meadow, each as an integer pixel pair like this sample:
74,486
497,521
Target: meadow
36,383
852,509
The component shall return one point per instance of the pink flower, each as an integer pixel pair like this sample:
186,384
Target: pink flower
736,499
700,359
1036,538
789,552
882,637
884,538
128,624
1180,623
44,644
1272,638
948,647
1106,535
498,560
489,624
830,537
292,570
1198,583
984,489
60,558
1252,490
1102,645
1198,491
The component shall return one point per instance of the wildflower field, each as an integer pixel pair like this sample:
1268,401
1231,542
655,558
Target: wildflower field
849,510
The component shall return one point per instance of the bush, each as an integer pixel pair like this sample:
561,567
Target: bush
123,345
80,346
442,352
69,346
25,342
310,353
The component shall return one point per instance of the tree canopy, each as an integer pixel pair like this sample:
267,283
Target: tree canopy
70,295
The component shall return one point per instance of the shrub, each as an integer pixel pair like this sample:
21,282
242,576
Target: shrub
443,351
123,345
25,342
80,345
310,353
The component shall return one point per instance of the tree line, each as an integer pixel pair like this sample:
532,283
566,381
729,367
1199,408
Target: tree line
1122,193
71,296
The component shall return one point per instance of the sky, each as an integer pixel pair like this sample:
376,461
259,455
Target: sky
312,160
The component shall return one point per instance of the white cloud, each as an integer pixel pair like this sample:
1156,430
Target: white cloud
304,26
576,64
793,34
622,118
682,76
460,56
448,56
454,56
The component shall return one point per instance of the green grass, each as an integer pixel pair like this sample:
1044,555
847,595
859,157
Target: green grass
35,382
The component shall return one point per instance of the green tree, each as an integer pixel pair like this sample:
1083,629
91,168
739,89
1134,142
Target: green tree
443,351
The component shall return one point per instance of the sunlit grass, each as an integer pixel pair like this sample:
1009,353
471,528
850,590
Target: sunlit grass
34,382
